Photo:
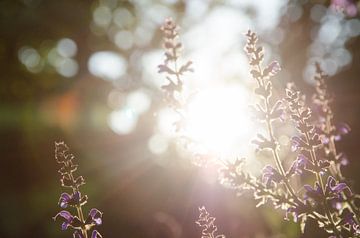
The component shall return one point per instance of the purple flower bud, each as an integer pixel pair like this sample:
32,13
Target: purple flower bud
271,175
333,188
343,128
315,193
343,159
64,200
94,218
298,210
295,143
72,200
67,217
347,217
274,67
324,139
299,165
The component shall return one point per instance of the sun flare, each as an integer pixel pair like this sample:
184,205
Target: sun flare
219,120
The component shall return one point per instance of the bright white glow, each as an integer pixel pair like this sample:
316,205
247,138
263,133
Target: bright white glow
158,144
219,120
66,47
102,16
67,67
138,101
123,18
166,119
124,40
268,12
149,63
123,121
29,57
107,65
329,31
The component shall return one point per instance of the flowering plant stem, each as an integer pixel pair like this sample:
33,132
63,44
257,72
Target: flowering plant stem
75,199
274,151
319,178
78,208
323,99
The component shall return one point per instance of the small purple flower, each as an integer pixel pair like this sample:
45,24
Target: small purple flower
67,199
67,217
299,165
270,175
347,217
297,211
294,144
272,69
333,188
324,139
298,143
343,159
341,129
94,218
315,193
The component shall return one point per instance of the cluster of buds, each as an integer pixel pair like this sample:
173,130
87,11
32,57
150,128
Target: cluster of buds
81,225
206,222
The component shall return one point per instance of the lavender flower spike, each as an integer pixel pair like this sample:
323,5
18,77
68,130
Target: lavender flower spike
74,199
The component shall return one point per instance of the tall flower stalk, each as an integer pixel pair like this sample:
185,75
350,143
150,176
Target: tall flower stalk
331,133
74,201
307,144
174,70
266,111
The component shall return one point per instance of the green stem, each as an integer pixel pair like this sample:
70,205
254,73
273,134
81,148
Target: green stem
78,208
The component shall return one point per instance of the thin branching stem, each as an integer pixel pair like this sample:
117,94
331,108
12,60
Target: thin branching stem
275,153
79,208
319,179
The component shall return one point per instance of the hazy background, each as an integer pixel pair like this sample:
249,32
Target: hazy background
85,72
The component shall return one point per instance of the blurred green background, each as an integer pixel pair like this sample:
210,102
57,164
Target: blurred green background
85,72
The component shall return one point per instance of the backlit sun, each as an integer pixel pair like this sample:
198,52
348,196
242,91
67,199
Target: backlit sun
219,122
